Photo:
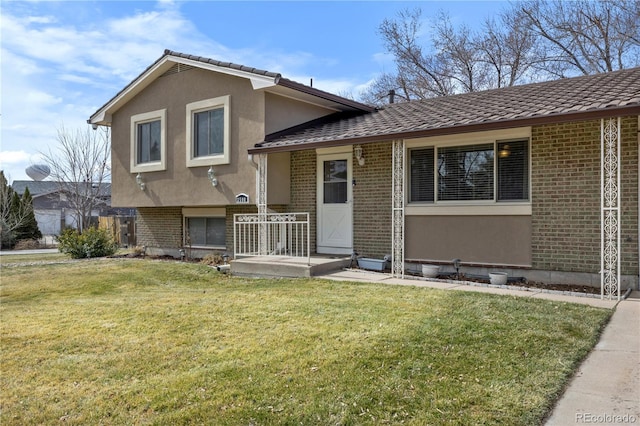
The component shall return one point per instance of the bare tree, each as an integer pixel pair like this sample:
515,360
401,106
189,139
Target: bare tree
80,166
530,41
582,36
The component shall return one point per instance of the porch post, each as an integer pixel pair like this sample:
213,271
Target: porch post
610,203
397,219
261,194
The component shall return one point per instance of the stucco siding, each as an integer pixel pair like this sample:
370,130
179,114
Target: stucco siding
498,240
282,112
180,185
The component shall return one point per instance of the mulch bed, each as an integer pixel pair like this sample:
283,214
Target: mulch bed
523,282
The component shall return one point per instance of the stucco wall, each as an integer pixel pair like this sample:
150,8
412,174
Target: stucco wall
180,185
282,113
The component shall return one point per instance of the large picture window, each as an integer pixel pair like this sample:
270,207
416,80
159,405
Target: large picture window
208,130
148,146
465,173
483,172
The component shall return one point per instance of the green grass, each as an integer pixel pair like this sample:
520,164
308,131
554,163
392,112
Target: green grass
7,259
148,342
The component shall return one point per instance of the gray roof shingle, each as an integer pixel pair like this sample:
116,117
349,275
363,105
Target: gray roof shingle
560,100
43,187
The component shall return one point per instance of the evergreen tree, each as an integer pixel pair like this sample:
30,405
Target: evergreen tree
28,230
6,198
17,220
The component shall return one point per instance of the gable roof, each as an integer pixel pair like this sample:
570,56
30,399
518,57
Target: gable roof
260,80
579,98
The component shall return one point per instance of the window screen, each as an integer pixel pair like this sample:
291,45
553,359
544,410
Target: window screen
422,174
465,172
209,132
207,231
513,171
148,142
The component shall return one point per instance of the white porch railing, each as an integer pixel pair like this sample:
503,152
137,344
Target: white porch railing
271,234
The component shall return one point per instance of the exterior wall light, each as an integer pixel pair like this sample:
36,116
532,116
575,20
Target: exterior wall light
212,176
140,182
357,150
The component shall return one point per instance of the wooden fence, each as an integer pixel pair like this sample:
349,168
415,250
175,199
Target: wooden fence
122,228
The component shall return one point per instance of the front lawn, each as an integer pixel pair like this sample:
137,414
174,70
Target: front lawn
153,342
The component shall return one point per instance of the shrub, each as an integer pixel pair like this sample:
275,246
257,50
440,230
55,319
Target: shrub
93,242
213,259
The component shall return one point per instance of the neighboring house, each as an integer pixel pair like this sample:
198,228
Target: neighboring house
52,209
540,180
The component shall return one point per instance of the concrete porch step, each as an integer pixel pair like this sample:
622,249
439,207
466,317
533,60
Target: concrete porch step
290,267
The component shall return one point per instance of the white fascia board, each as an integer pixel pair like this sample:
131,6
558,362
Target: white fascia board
257,81
103,116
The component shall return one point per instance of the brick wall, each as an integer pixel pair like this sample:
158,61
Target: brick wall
372,201
303,188
565,182
629,183
159,228
371,197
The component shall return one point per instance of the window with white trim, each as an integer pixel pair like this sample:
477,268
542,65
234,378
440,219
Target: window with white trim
482,172
205,227
148,142
207,130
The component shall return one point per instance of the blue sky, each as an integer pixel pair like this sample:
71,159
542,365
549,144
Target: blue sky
61,61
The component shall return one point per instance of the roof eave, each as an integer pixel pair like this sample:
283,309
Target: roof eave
466,128
325,95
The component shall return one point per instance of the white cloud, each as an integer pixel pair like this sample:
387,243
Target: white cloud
58,69
12,157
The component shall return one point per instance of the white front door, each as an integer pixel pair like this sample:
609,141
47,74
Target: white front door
335,207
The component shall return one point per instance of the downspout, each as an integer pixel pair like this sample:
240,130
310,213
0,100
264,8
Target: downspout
638,183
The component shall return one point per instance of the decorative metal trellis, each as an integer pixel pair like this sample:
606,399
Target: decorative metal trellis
397,225
262,204
610,203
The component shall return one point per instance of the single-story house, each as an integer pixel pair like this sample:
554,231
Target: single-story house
539,180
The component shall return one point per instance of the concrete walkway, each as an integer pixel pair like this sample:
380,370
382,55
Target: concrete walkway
606,387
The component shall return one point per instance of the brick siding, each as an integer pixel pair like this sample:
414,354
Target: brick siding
565,182
159,228
371,197
303,188
372,201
